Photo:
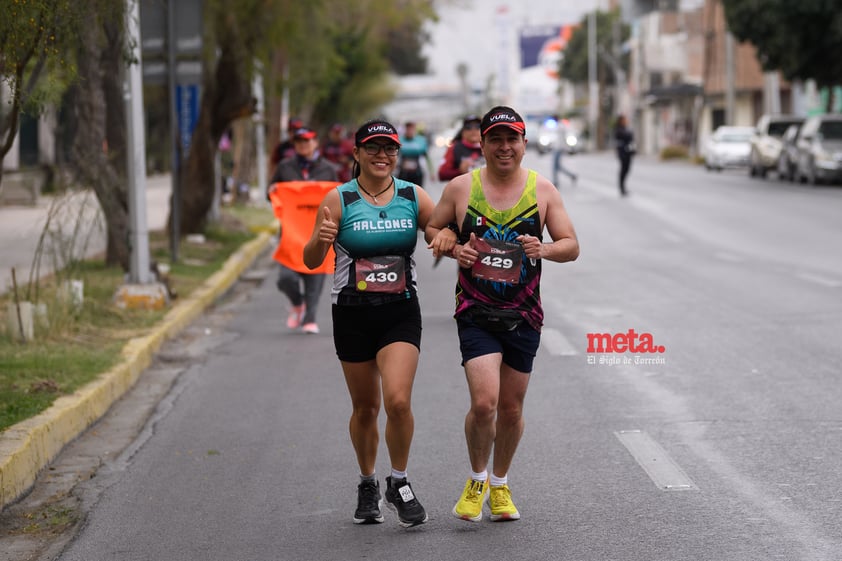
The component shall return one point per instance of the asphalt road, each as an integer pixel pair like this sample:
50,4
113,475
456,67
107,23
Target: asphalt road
725,446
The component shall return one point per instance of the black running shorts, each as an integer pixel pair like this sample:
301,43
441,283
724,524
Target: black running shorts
359,332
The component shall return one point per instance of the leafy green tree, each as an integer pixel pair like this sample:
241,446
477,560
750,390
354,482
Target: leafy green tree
333,53
35,36
45,46
800,39
611,34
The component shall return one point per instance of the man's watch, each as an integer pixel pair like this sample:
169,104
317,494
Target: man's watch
453,228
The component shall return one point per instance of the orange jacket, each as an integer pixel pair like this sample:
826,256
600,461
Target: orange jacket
295,204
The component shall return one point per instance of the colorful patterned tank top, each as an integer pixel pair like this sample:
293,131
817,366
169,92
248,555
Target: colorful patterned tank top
503,277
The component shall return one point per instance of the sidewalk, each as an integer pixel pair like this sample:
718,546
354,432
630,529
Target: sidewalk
21,227
29,447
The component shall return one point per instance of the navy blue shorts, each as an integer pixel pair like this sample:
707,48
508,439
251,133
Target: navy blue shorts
518,346
359,332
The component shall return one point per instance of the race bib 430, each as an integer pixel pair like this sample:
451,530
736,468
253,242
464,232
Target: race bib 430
383,273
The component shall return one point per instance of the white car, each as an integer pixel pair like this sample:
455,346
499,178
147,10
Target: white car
551,133
729,147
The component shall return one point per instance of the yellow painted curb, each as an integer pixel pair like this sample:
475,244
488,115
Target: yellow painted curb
29,446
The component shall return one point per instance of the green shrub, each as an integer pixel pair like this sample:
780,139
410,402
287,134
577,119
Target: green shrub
674,152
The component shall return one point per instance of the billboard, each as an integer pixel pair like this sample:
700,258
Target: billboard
541,51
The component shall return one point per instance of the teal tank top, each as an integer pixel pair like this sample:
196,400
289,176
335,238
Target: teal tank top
369,231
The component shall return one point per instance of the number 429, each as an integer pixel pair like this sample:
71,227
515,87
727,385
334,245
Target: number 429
498,262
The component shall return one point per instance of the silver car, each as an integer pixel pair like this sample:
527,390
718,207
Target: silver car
729,147
819,150
766,142
788,159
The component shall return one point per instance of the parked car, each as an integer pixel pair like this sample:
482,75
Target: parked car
819,148
728,147
788,159
766,142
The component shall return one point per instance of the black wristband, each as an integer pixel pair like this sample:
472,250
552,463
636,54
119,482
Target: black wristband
453,228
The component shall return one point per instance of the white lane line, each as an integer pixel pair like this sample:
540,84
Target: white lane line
557,344
818,279
658,465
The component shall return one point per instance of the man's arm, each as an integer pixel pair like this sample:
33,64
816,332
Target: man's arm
439,236
564,246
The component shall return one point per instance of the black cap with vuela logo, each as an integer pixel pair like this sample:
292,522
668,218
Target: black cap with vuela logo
505,116
376,129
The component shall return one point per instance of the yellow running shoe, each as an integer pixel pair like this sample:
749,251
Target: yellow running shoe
502,507
469,506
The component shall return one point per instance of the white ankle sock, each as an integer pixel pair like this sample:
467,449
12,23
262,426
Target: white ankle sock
498,481
481,476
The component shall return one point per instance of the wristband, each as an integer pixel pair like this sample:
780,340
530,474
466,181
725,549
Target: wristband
453,228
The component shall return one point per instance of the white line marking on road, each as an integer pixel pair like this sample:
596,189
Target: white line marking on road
557,344
655,461
818,279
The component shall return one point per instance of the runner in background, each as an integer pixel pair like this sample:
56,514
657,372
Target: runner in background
339,149
465,152
302,286
413,150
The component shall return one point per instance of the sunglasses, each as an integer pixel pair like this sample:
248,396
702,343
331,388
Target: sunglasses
372,149
471,126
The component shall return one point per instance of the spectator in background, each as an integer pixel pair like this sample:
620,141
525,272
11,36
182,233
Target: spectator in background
624,142
558,152
465,153
339,149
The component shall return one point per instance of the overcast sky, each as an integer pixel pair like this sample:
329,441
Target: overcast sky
468,31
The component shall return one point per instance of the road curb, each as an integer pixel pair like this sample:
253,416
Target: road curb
29,446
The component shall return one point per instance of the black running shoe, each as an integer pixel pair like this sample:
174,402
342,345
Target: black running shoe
368,503
401,499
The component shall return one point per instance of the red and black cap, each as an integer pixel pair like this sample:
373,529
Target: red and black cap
502,116
376,129
304,133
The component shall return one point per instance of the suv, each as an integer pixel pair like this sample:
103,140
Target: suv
766,142
819,149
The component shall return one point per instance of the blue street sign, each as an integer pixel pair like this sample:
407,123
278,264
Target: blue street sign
187,112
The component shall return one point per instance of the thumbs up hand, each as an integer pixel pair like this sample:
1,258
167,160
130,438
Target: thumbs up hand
467,255
328,229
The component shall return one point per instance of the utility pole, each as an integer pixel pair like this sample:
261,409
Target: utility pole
730,103
143,290
593,89
139,272
259,123
175,206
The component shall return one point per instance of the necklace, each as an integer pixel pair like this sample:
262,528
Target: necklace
389,186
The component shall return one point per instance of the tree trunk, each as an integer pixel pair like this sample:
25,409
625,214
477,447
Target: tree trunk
226,96
97,162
